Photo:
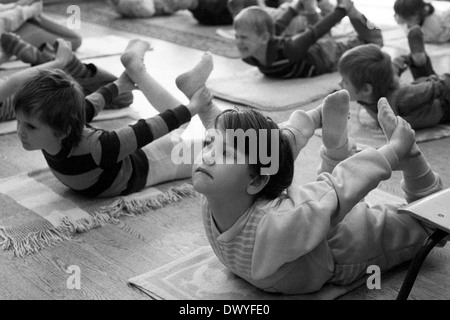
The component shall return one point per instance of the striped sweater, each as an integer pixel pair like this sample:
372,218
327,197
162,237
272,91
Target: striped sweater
290,57
111,163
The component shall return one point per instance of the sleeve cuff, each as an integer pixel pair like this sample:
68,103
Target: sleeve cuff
176,117
389,154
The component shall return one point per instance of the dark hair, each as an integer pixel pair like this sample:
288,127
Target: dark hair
57,99
246,119
409,8
368,64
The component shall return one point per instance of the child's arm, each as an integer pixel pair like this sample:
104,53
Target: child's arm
290,12
297,46
96,101
10,85
118,144
355,177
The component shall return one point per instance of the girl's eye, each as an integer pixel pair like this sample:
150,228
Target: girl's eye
31,127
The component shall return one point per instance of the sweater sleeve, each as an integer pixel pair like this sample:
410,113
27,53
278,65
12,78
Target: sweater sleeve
116,145
96,101
285,234
296,47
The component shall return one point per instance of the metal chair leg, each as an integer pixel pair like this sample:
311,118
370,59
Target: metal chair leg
416,264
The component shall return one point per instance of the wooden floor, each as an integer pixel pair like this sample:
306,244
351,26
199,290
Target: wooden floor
110,255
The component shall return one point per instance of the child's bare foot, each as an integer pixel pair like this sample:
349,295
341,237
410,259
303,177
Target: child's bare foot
335,112
192,80
134,53
388,123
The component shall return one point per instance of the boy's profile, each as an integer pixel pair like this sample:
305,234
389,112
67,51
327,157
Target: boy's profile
368,73
302,55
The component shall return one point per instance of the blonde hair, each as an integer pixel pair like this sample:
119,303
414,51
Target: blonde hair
255,18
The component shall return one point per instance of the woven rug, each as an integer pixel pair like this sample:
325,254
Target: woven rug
180,28
366,133
37,211
201,276
252,88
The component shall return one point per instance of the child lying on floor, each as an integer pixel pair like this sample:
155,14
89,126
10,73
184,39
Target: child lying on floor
290,17
89,76
52,113
369,74
435,23
303,55
293,239
26,19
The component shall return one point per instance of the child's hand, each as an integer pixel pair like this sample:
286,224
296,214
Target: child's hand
200,101
346,4
402,138
124,83
63,51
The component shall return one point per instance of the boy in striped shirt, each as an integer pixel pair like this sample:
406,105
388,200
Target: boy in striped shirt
302,55
52,113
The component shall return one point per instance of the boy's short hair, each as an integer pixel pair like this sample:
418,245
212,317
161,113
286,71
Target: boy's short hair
57,99
256,19
368,64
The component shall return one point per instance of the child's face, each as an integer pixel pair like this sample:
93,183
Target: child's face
355,94
36,135
218,170
249,42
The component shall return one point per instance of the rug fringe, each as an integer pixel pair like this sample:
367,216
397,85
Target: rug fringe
109,214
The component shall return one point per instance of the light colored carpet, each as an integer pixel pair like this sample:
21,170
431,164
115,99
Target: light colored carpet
252,88
201,276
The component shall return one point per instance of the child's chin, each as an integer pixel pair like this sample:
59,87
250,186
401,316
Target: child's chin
27,147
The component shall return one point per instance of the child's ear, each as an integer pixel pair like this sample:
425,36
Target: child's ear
257,183
63,135
367,91
266,36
